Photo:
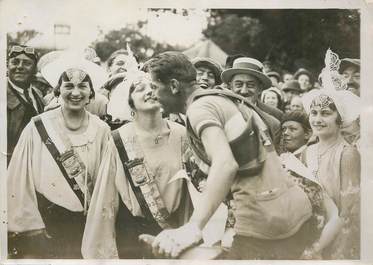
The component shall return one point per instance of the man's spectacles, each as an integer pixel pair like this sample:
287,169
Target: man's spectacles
20,49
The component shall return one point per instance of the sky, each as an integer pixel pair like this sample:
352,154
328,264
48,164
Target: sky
86,19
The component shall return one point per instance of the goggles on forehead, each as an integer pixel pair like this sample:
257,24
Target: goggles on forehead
20,49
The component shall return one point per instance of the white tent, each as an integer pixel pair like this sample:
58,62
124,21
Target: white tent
207,48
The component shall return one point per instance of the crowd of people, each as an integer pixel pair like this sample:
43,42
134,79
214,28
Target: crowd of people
138,159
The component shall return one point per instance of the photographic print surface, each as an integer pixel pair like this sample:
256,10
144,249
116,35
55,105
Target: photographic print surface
199,133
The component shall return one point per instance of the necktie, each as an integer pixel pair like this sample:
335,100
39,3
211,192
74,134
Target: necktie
29,100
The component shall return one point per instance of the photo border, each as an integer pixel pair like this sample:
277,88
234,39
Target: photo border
366,45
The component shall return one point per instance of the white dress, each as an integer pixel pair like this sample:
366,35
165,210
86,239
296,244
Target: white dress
163,160
33,171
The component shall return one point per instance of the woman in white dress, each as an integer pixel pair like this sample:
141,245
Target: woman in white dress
336,163
135,193
54,167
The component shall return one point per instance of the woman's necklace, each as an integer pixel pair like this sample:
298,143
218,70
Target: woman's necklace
157,136
69,125
320,154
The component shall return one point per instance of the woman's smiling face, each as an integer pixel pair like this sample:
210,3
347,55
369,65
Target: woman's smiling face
143,97
323,120
270,98
75,90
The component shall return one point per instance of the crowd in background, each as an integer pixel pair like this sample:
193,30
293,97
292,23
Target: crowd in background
76,197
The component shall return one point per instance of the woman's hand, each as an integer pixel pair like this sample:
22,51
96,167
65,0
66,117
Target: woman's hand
171,243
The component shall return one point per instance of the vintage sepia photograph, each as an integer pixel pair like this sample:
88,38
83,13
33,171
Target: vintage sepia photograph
206,132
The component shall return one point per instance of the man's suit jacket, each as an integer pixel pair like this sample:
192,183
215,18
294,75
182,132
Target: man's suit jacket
19,114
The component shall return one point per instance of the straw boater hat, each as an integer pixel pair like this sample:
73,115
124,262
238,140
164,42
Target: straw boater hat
246,65
53,71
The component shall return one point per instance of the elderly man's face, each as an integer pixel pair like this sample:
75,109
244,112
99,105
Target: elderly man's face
296,104
20,69
245,85
352,76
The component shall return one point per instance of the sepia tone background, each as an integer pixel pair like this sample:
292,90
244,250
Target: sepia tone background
290,38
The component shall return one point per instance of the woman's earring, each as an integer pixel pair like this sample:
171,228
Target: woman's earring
132,113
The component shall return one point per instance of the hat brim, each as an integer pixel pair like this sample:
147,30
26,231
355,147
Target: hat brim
227,75
303,72
215,68
345,63
292,90
273,74
348,104
53,71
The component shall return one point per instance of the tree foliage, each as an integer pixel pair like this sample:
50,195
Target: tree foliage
21,37
290,38
141,45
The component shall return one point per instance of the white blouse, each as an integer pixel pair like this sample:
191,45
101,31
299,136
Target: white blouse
32,168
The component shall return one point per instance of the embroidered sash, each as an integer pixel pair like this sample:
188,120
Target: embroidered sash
68,162
143,185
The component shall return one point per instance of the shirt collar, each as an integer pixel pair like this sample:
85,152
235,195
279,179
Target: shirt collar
17,88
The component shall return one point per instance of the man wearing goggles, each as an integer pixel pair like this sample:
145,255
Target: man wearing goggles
24,100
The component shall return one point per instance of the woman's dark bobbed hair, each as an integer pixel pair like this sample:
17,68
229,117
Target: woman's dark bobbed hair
64,78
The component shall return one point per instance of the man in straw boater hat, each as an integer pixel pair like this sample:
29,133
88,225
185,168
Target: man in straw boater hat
246,78
271,212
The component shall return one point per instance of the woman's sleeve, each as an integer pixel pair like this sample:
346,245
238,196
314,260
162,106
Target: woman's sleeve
347,244
99,234
350,182
23,212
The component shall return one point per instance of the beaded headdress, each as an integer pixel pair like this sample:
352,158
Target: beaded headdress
75,75
322,101
329,79
333,90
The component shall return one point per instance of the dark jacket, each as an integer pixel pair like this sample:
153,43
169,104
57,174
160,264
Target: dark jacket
19,113
274,117
270,110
